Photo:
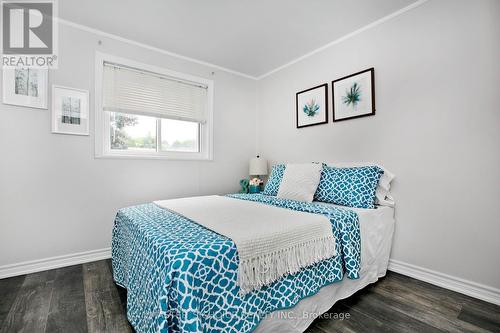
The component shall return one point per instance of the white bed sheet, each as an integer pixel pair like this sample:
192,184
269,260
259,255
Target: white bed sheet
377,229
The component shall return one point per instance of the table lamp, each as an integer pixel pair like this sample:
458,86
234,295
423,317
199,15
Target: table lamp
257,167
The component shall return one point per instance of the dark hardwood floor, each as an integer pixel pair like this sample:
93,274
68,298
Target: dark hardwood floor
83,298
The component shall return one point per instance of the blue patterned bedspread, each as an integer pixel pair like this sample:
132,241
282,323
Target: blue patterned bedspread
182,277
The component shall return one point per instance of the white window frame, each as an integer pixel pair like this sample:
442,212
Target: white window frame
102,121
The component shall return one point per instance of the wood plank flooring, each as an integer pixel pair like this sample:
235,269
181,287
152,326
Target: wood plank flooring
84,298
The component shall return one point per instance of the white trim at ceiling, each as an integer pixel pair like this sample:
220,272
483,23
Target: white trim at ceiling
228,70
152,48
345,37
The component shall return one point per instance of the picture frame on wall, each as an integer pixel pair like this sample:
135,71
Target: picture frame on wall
25,86
70,111
312,106
354,95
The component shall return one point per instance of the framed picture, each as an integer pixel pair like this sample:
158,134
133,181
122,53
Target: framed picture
70,111
312,106
354,95
25,86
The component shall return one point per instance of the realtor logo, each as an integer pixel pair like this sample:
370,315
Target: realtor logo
28,33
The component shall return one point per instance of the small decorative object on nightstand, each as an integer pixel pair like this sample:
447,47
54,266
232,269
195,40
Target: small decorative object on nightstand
254,185
244,185
258,167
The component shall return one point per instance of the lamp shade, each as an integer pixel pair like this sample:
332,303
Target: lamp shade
258,166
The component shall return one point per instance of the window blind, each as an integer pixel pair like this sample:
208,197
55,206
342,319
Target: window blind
128,90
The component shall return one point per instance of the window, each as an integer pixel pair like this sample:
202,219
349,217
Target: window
180,135
148,112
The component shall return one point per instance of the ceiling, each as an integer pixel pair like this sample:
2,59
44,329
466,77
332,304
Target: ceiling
252,37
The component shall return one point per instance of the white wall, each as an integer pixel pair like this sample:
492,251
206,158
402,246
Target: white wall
437,127
57,199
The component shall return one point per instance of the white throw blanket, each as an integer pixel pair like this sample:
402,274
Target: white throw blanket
271,241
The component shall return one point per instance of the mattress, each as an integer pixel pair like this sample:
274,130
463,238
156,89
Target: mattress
377,228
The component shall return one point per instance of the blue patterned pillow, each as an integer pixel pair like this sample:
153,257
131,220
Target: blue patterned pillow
351,187
273,184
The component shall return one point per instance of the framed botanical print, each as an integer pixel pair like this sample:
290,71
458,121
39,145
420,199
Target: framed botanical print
354,95
25,86
312,106
70,111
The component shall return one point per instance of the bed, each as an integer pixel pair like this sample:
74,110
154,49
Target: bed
181,277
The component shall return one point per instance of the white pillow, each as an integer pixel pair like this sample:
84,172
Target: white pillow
300,181
383,192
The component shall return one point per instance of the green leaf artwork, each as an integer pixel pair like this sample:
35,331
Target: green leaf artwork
352,95
311,108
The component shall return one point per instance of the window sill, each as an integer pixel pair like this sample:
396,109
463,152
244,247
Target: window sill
171,157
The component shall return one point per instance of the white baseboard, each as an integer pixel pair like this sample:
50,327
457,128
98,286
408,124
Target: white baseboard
473,289
469,288
33,266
